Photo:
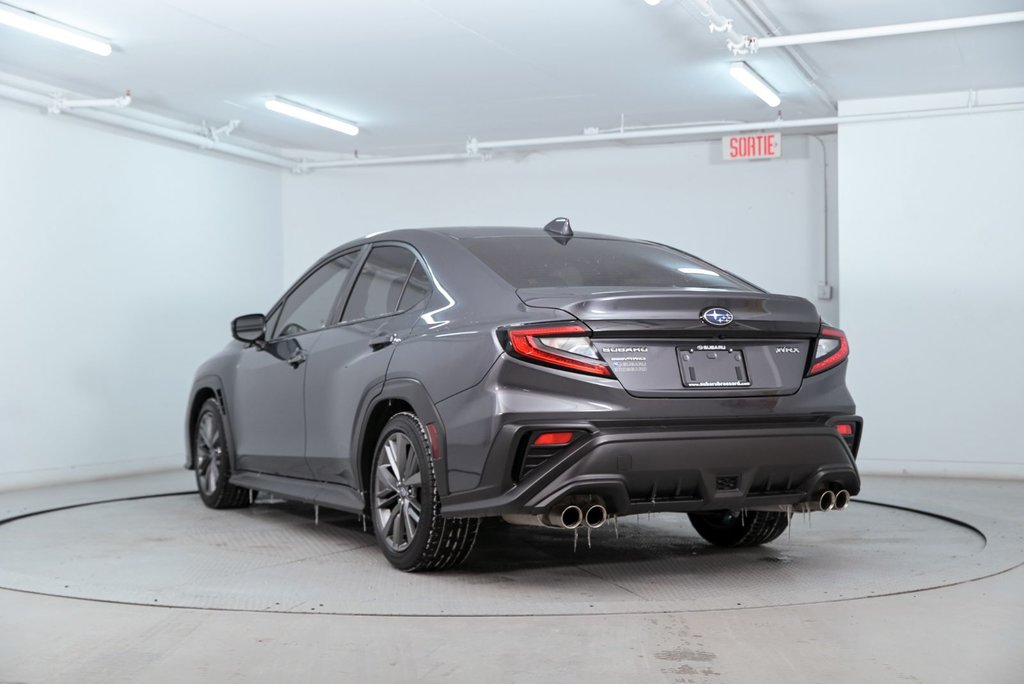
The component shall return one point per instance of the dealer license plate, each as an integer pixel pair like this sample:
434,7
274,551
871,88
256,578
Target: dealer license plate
715,367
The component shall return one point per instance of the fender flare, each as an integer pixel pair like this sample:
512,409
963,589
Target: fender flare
415,395
214,384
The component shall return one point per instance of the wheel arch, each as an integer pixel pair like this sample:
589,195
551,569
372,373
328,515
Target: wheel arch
395,396
204,388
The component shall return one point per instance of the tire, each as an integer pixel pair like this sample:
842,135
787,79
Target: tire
405,505
729,529
213,460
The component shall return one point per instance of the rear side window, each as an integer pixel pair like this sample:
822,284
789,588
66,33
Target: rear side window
586,262
378,289
309,306
416,289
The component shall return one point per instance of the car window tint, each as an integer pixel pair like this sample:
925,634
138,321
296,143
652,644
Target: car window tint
581,262
309,306
378,288
416,289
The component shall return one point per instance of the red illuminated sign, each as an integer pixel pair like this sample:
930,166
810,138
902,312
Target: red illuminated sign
752,146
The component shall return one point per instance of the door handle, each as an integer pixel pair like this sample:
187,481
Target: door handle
380,341
297,359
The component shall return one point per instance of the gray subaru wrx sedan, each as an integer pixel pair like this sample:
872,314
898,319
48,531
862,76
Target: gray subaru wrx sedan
430,378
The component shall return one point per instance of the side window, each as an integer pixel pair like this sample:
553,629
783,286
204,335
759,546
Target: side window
416,288
309,306
378,289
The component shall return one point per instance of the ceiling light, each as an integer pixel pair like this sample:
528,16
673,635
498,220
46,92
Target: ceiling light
754,83
652,3
35,24
313,116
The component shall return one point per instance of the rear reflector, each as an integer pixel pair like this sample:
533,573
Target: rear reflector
831,350
845,429
550,439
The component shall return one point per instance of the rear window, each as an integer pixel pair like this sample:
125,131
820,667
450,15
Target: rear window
586,262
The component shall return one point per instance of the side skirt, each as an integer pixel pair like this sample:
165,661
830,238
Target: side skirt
338,497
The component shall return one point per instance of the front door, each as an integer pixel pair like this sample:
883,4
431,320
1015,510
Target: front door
269,390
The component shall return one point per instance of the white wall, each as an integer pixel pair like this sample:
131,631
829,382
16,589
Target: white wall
931,216
763,219
122,261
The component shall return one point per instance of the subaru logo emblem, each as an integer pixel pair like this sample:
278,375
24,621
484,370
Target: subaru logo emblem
717,316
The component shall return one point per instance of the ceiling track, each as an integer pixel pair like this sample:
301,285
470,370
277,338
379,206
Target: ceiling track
479,150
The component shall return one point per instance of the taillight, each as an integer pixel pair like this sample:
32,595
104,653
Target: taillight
831,350
565,346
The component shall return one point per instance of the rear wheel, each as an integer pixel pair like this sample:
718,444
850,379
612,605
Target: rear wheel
213,461
405,505
750,528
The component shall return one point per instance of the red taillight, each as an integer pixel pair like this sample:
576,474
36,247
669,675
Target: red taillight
845,429
552,439
831,350
527,343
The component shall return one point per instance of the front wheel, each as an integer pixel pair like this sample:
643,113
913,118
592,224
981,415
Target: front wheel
213,461
731,529
405,505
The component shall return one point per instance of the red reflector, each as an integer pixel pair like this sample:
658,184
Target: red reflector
845,429
553,439
435,440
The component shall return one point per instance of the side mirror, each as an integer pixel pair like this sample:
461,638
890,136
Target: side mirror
250,328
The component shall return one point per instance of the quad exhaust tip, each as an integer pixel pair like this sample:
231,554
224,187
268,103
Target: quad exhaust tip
596,516
827,500
842,500
571,517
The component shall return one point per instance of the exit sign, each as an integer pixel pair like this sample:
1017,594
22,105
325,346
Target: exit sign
752,146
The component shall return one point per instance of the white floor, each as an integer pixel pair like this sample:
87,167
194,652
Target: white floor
968,629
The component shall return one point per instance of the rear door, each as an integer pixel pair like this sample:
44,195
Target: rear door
348,366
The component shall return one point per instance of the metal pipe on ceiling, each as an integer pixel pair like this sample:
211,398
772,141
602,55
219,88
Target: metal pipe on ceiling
479,149
754,43
383,161
146,128
721,129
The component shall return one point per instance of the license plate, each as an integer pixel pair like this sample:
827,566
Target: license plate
713,368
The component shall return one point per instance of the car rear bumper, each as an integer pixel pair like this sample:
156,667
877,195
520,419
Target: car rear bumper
638,470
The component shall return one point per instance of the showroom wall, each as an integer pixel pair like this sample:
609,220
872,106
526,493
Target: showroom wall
931,212
763,219
122,263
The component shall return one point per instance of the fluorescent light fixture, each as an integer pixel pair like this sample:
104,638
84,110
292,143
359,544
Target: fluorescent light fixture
698,271
652,3
37,25
276,104
754,83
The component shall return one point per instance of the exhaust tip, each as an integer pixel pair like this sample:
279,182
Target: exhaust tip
572,517
596,516
842,500
827,501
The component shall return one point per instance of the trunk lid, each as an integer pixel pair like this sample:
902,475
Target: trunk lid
657,344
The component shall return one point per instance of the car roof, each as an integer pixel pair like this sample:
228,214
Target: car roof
471,232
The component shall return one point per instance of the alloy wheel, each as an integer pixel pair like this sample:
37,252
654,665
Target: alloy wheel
209,448
398,492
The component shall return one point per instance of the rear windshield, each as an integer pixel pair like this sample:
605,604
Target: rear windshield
587,262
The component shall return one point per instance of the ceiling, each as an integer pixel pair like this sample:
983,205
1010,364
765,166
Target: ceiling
422,76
